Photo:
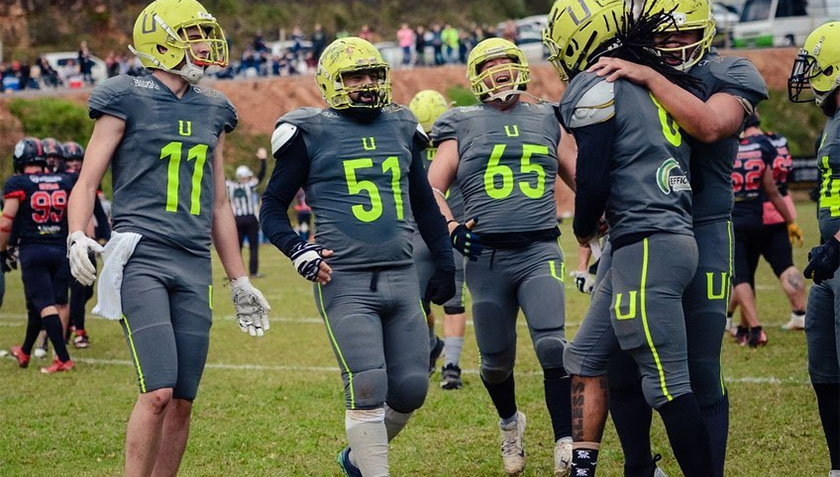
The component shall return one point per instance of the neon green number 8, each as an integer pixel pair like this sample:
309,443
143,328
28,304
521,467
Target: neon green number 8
173,152
670,131
355,186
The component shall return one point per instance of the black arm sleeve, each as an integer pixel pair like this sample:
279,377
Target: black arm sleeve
289,175
261,173
103,228
430,221
595,147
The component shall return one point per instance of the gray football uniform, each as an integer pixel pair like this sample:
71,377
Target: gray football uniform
822,320
163,190
358,190
506,169
653,255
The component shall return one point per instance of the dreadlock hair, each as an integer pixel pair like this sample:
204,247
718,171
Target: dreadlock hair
635,41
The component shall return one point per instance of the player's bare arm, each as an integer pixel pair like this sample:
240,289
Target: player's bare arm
224,227
566,158
10,210
442,175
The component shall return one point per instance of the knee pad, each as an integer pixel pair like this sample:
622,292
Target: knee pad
496,368
407,393
369,389
454,310
549,351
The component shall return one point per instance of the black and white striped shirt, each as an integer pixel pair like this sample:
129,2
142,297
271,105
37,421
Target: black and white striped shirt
243,195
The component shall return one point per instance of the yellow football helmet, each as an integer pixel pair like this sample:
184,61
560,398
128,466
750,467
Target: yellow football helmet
347,55
817,65
687,15
579,28
428,105
162,40
491,49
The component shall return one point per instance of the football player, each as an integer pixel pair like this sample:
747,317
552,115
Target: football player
428,105
731,87
633,165
38,199
503,153
54,152
360,162
817,68
752,184
163,136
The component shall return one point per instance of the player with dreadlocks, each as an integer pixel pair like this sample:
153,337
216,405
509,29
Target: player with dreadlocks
632,167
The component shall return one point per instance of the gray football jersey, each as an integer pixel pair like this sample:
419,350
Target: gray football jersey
712,163
163,167
358,184
650,189
507,164
828,161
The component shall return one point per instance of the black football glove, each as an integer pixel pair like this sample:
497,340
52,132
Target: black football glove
823,261
8,261
466,242
441,287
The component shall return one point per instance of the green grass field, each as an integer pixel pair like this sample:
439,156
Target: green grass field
273,406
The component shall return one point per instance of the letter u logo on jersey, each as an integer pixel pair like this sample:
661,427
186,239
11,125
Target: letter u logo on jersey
184,128
369,143
631,311
710,286
512,131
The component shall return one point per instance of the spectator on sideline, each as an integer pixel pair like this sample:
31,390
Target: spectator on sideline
319,41
85,63
420,45
405,38
437,44
243,199
366,33
259,43
511,32
449,37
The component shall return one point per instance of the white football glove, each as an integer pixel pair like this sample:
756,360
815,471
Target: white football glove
307,259
250,306
79,246
584,281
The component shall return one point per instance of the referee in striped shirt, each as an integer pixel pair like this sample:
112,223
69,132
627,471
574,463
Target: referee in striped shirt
243,199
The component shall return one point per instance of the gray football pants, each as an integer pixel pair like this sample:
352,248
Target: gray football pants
637,307
378,333
501,282
704,304
822,329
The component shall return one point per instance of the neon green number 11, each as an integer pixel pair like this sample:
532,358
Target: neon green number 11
197,153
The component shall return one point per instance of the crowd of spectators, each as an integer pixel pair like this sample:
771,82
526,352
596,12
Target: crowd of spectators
64,70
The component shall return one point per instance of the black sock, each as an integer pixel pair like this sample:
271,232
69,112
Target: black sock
688,435
33,328
828,401
799,312
53,326
632,416
584,461
558,400
716,418
503,395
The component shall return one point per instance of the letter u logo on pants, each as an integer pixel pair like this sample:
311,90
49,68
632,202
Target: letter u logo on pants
710,286
631,311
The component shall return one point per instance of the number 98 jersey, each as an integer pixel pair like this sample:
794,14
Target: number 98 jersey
163,167
43,198
507,164
357,184
755,154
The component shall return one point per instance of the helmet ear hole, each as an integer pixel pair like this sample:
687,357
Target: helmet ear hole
828,71
162,49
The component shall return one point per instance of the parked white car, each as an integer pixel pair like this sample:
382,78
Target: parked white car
782,22
59,61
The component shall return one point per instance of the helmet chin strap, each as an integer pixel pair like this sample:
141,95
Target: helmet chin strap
191,72
506,96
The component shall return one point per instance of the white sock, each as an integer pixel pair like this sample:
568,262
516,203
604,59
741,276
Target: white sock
452,346
368,441
395,422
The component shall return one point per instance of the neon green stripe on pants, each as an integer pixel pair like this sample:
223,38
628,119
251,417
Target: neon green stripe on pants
134,356
337,349
647,328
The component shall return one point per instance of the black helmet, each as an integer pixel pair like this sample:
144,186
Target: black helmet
28,151
73,151
54,152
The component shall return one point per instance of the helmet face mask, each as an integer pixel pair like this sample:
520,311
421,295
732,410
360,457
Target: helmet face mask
341,71
53,153
484,79
686,16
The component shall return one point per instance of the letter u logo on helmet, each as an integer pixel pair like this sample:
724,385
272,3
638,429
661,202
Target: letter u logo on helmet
579,29
818,65
169,33
353,55
483,80
687,15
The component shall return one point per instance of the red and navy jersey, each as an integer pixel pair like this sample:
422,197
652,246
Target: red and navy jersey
755,154
783,163
43,199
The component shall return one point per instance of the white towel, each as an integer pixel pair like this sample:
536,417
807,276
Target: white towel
117,252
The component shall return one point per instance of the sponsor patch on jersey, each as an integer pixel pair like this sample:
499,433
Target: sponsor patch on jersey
670,177
145,83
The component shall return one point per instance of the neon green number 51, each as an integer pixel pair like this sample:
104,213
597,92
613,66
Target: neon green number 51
356,186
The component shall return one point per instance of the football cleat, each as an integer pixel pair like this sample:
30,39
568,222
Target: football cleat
450,377
81,340
563,457
21,357
513,450
658,472
797,322
58,366
347,467
757,337
434,355
741,335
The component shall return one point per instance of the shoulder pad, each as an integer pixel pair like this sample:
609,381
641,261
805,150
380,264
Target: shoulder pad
736,76
595,106
299,116
282,137
421,135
